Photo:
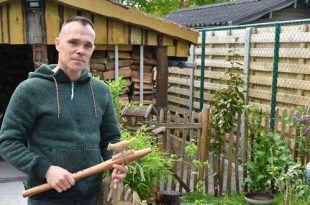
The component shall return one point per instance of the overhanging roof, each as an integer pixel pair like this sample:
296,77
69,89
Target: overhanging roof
226,13
132,16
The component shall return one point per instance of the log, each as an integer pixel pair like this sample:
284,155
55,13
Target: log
110,74
146,68
106,165
145,97
124,100
137,92
121,55
98,60
99,54
97,66
146,86
147,77
146,61
110,65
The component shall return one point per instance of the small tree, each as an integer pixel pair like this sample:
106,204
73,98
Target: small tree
226,104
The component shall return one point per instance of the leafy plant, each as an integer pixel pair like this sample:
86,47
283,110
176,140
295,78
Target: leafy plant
291,184
271,167
196,198
301,122
191,150
117,88
148,171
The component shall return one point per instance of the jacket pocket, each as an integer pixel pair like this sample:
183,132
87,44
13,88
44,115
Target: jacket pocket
93,158
68,158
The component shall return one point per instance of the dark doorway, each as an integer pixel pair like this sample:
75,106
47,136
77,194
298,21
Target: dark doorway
15,64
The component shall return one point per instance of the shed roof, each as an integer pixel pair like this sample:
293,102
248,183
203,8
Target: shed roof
133,16
226,13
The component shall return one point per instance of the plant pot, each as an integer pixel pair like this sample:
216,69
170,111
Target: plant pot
259,198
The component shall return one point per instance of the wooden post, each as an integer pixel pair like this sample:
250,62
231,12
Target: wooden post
171,197
162,78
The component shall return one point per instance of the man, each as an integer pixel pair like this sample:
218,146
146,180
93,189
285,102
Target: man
61,120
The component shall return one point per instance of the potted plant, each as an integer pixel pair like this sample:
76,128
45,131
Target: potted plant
258,180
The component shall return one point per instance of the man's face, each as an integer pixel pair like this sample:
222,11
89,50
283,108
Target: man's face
75,46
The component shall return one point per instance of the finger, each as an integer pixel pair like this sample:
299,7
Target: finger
62,187
71,180
120,167
115,186
58,189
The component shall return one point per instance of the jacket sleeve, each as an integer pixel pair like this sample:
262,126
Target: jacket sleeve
18,122
110,132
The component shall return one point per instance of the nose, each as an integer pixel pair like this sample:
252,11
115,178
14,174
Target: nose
81,50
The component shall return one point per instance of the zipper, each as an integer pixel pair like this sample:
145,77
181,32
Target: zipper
72,90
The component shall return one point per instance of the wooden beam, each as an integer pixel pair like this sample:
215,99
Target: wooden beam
182,48
117,32
100,23
86,14
1,26
5,24
136,35
3,1
132,16
162,78
52,20
167,41
151,38
68,12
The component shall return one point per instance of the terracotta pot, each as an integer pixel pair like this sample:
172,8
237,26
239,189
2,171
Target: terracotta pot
259,198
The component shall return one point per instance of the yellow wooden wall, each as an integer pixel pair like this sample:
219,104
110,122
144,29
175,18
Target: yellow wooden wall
111,31
12,23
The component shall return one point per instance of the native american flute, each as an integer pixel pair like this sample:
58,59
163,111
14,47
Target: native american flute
120,159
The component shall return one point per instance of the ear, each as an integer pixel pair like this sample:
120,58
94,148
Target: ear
57,43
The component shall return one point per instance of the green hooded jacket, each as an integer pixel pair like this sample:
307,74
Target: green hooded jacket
53,121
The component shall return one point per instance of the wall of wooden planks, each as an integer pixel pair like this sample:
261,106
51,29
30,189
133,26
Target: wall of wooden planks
293,70
109,31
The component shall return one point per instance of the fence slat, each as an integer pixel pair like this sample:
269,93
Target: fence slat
175,148
236,153
184,136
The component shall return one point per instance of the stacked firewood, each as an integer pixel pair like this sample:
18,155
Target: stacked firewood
102,64
147,84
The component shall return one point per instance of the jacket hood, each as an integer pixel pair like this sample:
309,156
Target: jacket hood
45,72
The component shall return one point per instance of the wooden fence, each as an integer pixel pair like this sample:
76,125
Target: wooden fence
181,129
255,45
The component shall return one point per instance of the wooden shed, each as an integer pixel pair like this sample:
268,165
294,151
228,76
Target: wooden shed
128,43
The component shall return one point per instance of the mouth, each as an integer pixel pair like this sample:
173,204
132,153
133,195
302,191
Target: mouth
78,60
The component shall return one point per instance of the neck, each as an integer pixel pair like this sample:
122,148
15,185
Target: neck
71,74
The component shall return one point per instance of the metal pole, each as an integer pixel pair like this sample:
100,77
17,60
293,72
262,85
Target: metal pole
246,64
275,75
141,74
191,81
202,69
116,62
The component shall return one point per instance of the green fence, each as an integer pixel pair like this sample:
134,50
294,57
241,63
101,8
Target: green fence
274,58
